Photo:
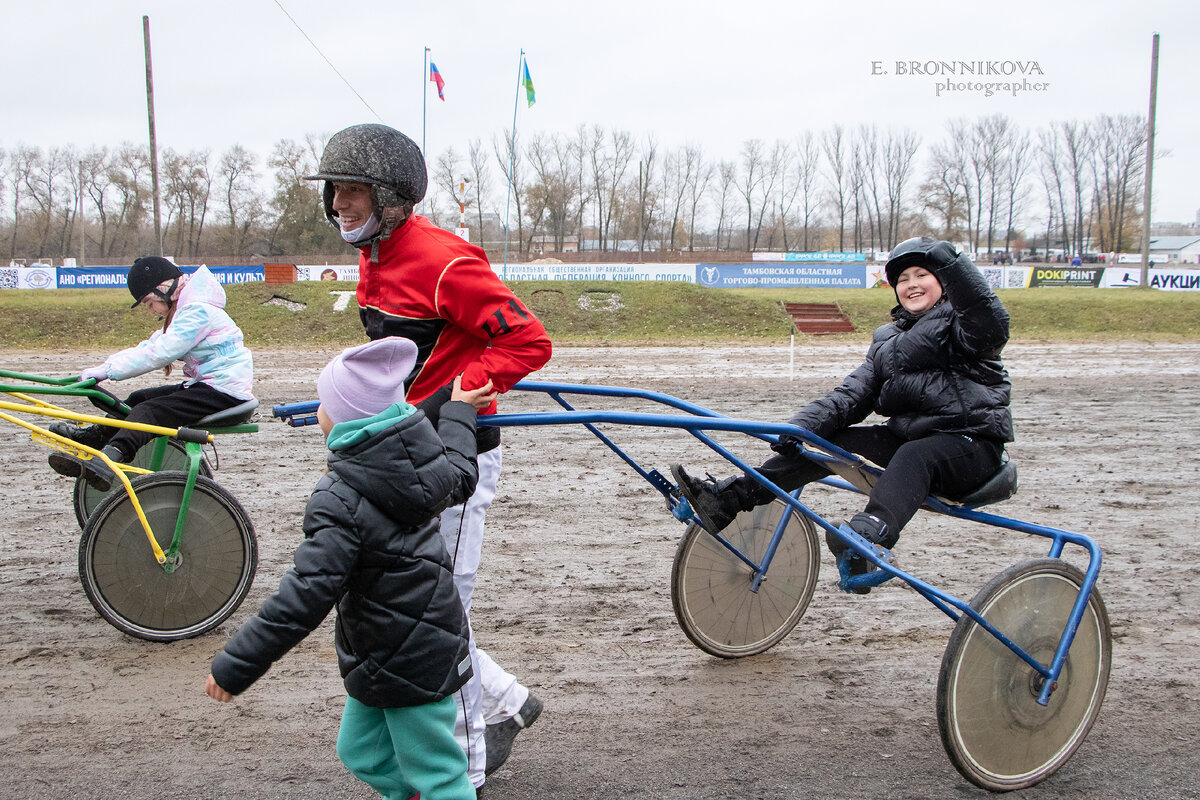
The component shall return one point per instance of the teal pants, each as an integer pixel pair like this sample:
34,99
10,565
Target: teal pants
399,752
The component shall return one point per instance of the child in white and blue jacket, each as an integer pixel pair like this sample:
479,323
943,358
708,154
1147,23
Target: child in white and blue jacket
197,331
372,548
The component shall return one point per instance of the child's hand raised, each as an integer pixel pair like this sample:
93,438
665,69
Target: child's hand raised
481,398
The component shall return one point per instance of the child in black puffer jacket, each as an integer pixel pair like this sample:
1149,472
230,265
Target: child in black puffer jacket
934,371
373,549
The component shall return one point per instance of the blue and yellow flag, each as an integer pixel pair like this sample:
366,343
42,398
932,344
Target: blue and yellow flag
528,82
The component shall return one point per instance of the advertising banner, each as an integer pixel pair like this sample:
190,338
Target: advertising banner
810,258
27,278
1175,280
327,272
248,274
596,272
1066,276
114,277
37,278
741,276
1117,277
91,277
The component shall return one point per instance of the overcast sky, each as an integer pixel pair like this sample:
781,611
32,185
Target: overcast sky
708,73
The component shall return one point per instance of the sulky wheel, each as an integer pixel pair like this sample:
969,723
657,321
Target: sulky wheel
136,594
86,498
711,587
993,729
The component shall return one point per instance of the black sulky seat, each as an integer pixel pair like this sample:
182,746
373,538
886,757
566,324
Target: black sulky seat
235,415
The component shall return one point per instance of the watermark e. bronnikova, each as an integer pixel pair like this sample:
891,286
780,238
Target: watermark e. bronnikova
989,78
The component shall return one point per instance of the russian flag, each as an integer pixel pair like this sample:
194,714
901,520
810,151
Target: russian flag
436,77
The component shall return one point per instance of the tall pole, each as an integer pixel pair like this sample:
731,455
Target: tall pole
1149,165
512,160
424,100
153,142
79,220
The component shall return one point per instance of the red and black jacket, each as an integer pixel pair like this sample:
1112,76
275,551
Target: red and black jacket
432,287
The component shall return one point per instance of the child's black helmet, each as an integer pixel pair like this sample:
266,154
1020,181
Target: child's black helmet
909,253
146,274
377,155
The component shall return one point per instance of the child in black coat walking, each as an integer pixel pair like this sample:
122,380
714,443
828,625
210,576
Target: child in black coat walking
373,549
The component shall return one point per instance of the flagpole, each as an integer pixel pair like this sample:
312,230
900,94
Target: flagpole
424,100
512,158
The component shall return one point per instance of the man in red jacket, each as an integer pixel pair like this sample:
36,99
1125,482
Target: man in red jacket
428,285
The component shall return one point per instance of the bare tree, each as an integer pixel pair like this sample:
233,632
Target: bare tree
580,150
899,150
71,206
129,176
724,191
1077,147
608,168
21,163
552,193
958,156
838,176
481,180
42,184
750,180
646,202
942,194
808,159
1118,174
1016,168
696,189
449,176
300,224
781,188
508,154
242,202
94,171
678,175
866,178
1052,173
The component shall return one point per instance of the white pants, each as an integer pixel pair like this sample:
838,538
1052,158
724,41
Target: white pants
492,695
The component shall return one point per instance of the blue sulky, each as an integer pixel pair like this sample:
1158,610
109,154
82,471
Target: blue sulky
992,680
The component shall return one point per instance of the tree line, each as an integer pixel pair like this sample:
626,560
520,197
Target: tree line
986,183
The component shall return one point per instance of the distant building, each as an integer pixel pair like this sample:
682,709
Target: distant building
1175,249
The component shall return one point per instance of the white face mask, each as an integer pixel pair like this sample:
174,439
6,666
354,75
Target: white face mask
369,229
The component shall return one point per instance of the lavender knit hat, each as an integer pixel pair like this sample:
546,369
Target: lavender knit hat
363,381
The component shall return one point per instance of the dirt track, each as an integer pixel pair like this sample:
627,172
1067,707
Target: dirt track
574,597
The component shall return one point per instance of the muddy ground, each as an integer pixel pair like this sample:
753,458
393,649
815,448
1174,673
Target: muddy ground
574,597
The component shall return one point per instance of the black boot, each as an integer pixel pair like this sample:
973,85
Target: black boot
93,436
871,528
97,473
715,501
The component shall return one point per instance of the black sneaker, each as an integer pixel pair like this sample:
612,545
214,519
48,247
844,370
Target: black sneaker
94,436
98,474
708,498
498,738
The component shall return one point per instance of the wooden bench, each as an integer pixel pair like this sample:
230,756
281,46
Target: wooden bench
818,318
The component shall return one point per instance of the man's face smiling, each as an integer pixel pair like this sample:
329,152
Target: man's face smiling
352,204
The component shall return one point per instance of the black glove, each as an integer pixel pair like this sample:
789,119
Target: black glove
789,447
941,255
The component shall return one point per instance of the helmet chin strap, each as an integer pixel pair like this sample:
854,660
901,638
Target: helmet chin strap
166,296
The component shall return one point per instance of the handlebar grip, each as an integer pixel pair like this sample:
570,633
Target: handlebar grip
192,435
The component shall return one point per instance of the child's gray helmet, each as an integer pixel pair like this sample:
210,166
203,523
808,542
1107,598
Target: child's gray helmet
378,155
